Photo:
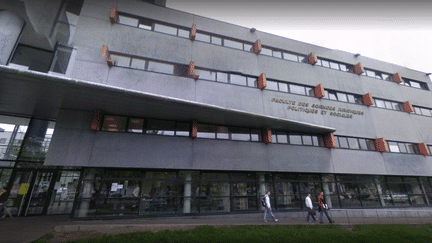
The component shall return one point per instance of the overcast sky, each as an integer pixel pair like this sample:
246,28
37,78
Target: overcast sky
387,30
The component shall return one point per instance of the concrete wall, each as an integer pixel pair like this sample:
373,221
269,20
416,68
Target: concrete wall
131,150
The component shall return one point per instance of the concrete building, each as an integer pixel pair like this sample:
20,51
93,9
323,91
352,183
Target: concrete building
128,108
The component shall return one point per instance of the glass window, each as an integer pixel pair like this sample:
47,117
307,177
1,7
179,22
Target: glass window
138,63
238,79
183,33
388,105
295,139
252,82
160,67
334,65
362,143
307,140
385,76
358,99
233,44
332,95
240,134
402,148
277,54
371,144
342,97
353,143
310,91
121,61
127,21
393,147
216,40
425,112
222,132
165,29
283,87
379,103
282,137
315,141
343,67
247,47
202,37
412,148
274,138
222,77
135,125
291,57
417,111
325,63
266,51
204,74
296,89
148,26
415,84
396,106
272,85
256,135
182,129
160,127
13,129
370,73
206,131
343,142
114,123
351,98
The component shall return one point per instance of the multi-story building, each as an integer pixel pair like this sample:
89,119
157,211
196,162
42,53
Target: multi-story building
126,107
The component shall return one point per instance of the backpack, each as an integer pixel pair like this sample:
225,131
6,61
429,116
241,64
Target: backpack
263,203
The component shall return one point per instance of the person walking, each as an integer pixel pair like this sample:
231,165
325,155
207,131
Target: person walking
323,209
309,206
267,208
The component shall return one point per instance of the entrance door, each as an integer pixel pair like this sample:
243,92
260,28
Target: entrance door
40,193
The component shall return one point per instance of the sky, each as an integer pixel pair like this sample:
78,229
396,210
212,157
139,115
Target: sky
387,30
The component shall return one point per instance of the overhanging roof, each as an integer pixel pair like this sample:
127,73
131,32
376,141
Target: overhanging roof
36,94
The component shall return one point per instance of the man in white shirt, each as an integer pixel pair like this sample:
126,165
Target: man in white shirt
267,208
309,207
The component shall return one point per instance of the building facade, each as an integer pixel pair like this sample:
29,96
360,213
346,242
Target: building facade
128,108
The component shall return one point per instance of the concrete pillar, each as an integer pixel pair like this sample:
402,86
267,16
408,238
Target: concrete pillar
187,193
380,192
11,27
327,195
86,193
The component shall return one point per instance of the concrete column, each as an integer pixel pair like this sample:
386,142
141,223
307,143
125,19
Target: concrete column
187,193
11,27
380,192
327,195
86,193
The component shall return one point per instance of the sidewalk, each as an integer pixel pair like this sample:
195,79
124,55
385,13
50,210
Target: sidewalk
27,229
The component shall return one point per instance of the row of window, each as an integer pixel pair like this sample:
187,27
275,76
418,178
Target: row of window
174,128
250,81
183,32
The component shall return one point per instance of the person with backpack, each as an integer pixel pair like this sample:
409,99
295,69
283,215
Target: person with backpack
267,207
323,208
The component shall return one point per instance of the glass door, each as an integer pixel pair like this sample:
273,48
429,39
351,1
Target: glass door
19,189
40,193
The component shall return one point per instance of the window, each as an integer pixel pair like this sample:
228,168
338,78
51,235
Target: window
277,54
182,129
307,140
256,135
128,21
160,127
135,125
160,67
233,44
362,143
325,63
425,112
371,144
207,75
165,29
237,79
291,57
295,139
334,65
240,134
247,47
138,63
283,87
281,137
393,147
370,73
331,95
222,132
114,124
402,148
343,142
252,82
342,97
266,51
222,77
216,40
310,91
412,148
272,85
206,131
353,143
183,33
202,37
379,103
121,61
297,89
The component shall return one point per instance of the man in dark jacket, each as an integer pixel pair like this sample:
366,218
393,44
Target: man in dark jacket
322,209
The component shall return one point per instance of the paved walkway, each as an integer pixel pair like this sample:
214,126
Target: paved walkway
27,229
